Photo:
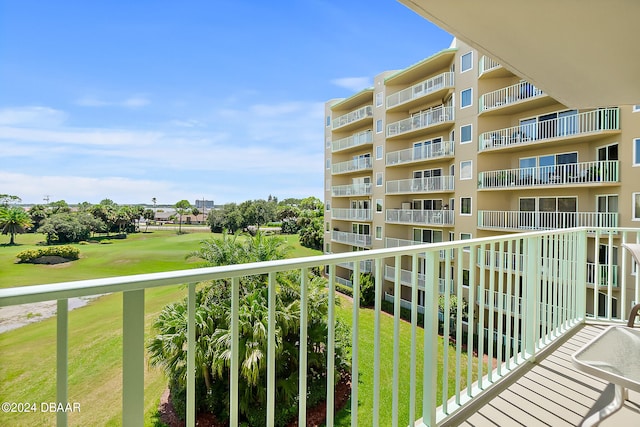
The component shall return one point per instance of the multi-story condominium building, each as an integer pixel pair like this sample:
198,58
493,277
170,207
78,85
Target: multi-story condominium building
458,147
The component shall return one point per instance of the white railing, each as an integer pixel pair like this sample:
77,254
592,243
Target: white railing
344,282
605,119
361,240
355,165
355,140
487,64
515,344
351,190
509,95
434,84
605,171
599,273
421,185
435,150
351,214
353,116
365,266
506,262
525,220
392,242
422,120
420,217
501,300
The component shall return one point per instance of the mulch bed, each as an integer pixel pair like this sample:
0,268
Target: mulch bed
315,416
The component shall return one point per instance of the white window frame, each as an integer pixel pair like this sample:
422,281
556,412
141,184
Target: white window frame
470,126
636,108
379,99
636,151
328,121
470,206
328,163
462,69
379,228
463,177
379,152
633,206
470,90
466,236
379,203
379,126
379,178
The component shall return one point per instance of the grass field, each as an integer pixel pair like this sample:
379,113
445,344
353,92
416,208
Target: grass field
27,371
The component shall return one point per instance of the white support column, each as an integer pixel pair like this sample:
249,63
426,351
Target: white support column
191,356
430,361
376,342
271,352
355,348
532,301
133,358
331,346
414,339
62,364
396,340
235,351
302,386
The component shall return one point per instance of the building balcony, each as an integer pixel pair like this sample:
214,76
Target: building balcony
406,279
351,166
365,266
353,239
526,220
351,214
589,173
488,67
357,140
435,151
524,373
351,190
353,119
513,99
392,242
579,127
433,119
433,88
434,184
443,218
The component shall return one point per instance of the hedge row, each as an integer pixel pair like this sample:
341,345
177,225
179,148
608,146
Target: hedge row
67,252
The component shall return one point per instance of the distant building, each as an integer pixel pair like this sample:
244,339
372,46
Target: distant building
207,204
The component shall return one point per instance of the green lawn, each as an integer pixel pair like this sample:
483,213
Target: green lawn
27,371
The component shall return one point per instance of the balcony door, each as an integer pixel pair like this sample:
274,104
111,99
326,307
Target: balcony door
548,212
607,204
567,122
428,184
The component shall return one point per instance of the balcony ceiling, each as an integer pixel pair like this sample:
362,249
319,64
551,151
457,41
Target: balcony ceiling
583,53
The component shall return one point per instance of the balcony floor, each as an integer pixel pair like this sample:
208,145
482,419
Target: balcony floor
554,393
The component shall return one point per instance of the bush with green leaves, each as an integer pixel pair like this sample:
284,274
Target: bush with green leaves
213,335
67,252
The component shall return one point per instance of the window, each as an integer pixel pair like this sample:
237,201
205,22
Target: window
466,169
636,152
378,205
328,143
379,179
427,236
327,206
465,205
465,236
328,121
328,163
636,206
636,108
327,185
378,233
379,99
465,134
465,98
466,62
326,226
378,125
379,152
327,248
465,278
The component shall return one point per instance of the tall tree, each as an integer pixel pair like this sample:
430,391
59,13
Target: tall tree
37,213
13,221
182,208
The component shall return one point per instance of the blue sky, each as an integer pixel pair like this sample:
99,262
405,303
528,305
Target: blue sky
221,100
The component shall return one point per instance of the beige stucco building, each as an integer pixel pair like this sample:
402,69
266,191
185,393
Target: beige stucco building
456,147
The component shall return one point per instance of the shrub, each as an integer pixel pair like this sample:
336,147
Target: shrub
67,252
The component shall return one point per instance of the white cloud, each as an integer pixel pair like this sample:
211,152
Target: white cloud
355,84
79,136
135,101
32,116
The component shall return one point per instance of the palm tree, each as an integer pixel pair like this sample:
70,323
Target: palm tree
13,221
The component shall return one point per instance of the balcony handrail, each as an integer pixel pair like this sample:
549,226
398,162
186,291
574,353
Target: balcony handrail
349,213
357,139
419,216
487,64
539,327
600,171
405,278
424,119
424,88
354,165
508,95
539,220
355,239
434,150
604,119
353,116
362,189
421,185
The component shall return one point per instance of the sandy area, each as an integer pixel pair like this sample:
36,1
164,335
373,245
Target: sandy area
15,316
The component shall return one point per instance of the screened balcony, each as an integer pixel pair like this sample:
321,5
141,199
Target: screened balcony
353,118
425,152
595,173
421,122
578,126
433,184
525,373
